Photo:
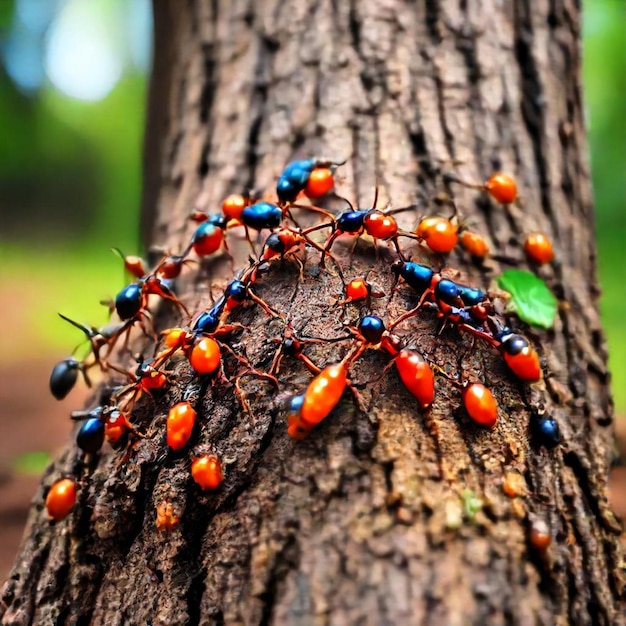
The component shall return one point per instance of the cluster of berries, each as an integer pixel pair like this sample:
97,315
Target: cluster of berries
205,345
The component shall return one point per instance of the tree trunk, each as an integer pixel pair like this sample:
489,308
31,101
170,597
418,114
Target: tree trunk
393,516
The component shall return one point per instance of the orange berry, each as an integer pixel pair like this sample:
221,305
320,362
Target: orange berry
323,394
233,206
61,499
502,188
320,182
439,233
380,226
357,289
417,376
480,405
207,471
205,357
426,225
474,244
514,484
539,249
180,422
175,337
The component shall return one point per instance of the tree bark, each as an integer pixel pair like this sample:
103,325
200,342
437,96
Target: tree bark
368,521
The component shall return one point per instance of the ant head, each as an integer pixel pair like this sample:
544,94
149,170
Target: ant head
396,267
143,367
372,328
273,242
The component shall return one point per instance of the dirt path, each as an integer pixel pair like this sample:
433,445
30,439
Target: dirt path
30,420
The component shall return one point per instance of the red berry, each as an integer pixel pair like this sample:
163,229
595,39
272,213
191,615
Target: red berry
207,471
502,188
61,499
480,405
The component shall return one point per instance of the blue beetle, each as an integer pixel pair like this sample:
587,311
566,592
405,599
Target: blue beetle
294,179
418,277
546,430
90,435
372,328
129,300
262,215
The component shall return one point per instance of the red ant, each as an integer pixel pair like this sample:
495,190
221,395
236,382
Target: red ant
376,223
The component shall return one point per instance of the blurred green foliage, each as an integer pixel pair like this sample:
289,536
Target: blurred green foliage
31,463
604,79
70,176
70,185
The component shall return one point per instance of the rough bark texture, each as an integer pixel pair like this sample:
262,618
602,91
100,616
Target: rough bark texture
364,522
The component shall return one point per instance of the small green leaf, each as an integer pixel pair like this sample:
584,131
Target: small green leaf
533,302
471,504
32,463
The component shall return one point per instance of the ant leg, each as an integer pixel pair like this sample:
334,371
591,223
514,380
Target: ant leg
265,306
353,251
315,209
251,369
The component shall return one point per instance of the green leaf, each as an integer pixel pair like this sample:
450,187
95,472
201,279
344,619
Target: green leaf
32,463
533,302
471,504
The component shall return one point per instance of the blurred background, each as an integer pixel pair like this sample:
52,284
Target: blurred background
72,90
